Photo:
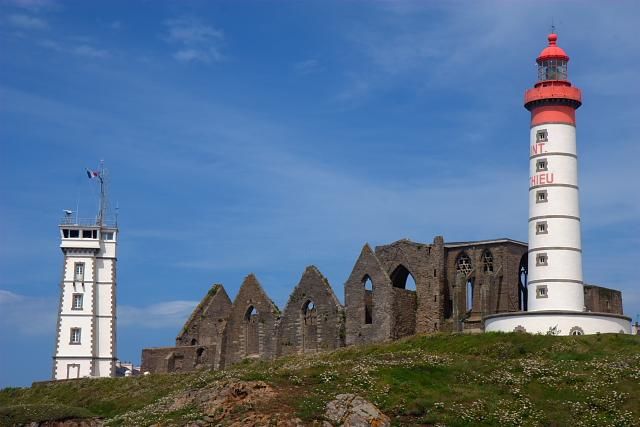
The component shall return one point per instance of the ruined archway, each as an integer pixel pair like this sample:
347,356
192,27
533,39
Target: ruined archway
402,278
309,326
252,335
368,300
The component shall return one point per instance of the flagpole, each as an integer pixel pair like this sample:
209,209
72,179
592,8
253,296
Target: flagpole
102,202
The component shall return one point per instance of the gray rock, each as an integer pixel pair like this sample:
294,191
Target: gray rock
349,410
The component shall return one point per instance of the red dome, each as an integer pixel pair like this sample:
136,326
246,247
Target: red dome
552,51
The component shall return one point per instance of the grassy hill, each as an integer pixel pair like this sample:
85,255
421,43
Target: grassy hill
453,380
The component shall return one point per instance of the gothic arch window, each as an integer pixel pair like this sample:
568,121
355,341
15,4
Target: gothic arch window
368,299
576,330
487,261
463,264
470,291
522,282
252,340
402,278
309,326
194,341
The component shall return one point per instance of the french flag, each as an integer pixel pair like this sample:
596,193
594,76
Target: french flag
93,174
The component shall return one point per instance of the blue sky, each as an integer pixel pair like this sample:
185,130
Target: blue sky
266,136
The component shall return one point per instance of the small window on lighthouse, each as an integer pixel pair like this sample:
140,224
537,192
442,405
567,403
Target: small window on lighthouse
541,135
77,302
75,336
542,259
541,227
541,165
541,196
79,271
541,291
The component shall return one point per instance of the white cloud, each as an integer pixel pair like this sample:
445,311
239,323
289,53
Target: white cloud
160,315
307,66
27,22
32,4
196,41
90,51
33,316
84,50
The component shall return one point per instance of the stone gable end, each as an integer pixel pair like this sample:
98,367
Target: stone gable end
313,319
251,330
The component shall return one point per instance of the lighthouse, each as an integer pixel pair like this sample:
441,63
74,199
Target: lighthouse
555,250
86,327
555,286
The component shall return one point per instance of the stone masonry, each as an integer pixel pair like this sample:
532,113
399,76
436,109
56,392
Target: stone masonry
253,321
456,285
313,319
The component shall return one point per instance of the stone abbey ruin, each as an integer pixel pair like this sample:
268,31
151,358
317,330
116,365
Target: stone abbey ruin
456,285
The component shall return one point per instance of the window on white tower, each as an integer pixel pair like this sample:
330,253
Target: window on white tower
76,304
79,272
75,336
541,291
541,165
542,196
541,227
542,135
542,260
107,235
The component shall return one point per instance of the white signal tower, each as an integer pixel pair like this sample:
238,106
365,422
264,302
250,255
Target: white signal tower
86,328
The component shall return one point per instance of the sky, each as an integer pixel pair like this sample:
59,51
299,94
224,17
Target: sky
265,136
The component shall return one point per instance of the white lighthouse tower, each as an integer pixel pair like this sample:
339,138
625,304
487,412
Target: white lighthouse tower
555,249
86,329
555,284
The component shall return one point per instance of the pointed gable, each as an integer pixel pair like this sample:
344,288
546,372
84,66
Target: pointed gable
251,329
313,318
359,302
204,325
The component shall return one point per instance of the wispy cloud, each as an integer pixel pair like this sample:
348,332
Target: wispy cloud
194,40
308,66
160,315
33,316
27,22
83,50
31,4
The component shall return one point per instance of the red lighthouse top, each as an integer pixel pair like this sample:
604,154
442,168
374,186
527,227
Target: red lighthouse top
553,51
553,92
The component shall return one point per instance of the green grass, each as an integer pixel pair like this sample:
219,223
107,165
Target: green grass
453,380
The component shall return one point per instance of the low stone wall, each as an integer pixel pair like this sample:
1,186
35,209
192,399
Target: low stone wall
178,359
405,304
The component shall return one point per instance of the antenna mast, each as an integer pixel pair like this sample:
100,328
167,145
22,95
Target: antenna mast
103,196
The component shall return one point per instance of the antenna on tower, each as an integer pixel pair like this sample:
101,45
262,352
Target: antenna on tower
101,174
553,26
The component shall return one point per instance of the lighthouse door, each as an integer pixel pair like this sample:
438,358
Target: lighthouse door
73,371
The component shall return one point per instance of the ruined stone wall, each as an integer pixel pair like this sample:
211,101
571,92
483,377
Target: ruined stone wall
219,333
602,300
250,335
495,283
313,319
207,323
358,331
405,304
178,359
425,262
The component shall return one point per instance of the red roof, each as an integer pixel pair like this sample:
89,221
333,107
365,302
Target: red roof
552,51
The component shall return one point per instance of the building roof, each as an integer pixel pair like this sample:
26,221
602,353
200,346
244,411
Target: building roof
552,51
484,242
